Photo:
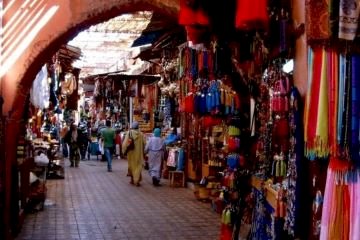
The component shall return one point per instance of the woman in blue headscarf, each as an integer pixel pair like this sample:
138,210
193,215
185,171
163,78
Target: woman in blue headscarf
155,148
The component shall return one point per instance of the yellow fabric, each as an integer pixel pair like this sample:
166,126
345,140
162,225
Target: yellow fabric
322,128
136,156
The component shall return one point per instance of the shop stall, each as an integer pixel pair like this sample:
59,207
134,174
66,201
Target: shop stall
48,107
241,116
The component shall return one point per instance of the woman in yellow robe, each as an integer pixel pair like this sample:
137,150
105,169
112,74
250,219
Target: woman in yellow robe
135,156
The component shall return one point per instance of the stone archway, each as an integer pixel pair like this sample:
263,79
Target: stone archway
65,19
32,32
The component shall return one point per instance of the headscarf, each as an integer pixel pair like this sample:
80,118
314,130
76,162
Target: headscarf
157,132
135,125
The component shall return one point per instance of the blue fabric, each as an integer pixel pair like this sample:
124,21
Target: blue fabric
355,109
171,138
108,157
261,228
233,161
181,160
209,105
342,70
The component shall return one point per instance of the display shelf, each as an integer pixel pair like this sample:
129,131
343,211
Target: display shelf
271,195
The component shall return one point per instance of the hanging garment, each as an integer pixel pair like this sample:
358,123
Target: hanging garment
317,19
355,109
348,19
251,14
261,228
354,210
341,209
191,13
333,73
316,108
294,215
40,91
69,84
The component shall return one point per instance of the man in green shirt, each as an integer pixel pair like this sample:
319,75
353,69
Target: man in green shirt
108,136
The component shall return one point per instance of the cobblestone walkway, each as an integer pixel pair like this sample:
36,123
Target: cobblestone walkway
91,203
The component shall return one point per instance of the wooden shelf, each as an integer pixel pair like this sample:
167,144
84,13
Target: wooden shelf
271,194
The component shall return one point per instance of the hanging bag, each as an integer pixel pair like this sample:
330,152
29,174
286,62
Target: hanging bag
130,143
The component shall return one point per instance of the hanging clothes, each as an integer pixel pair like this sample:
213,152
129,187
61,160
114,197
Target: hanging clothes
251,14
316,108
355,109
40,91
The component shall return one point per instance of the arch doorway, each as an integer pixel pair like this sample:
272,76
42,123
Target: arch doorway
33,31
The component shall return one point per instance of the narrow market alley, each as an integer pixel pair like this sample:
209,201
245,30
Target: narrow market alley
91,203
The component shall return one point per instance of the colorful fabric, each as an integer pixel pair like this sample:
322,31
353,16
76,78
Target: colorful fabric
355,109
295,159
354,210
317,106
262,222
341,90
333,73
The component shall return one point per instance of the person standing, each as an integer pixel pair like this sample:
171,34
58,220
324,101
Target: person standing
108,136
72,139
64,145
118,143
135,156
155,148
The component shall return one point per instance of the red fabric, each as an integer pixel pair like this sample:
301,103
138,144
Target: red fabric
210,121
233,144
333,101
251,14
192,16
226,232
189,104
314,97
196,33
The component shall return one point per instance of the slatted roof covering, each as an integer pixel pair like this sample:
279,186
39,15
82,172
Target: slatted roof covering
107,47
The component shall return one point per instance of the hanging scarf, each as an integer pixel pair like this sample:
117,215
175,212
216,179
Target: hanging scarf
316,137
355,109
333,99
346,118
341,96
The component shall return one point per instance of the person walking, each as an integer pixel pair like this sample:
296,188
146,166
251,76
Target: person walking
135,156
155,148
108,136
72,139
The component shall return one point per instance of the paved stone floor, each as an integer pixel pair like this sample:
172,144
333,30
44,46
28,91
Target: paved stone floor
91,203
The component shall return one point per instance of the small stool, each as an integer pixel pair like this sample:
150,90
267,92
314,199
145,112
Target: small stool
175,176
